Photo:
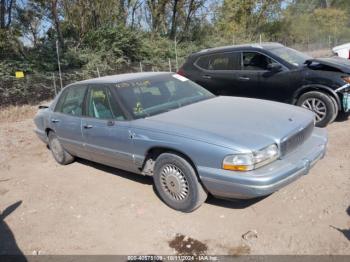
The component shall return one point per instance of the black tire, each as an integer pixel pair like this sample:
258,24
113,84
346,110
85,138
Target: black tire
58,152
336,109
327,102
177,183
343,116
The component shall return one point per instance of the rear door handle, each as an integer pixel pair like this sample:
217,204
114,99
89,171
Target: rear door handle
244,78
87,126
110,123
55,120
206,76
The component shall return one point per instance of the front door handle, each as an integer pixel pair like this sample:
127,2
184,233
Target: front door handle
244,78
55,120
87,126
206,76
131,134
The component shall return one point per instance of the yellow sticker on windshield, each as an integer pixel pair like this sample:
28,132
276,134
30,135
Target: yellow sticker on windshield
138,108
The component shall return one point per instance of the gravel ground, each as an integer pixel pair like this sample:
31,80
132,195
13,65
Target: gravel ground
86,208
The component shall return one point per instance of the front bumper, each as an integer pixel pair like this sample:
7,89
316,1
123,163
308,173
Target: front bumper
346,102
270,178
345,92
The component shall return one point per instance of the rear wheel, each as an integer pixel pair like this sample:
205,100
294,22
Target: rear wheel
177,183
321,104
58,152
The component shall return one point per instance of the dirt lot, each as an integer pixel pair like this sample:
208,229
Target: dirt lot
85,208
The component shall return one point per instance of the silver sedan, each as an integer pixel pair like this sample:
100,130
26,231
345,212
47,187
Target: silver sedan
191,142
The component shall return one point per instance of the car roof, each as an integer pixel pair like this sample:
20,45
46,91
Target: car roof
267,46
120,78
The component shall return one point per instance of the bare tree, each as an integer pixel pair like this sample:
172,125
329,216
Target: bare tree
2,13
56,22
174,19
6,12
157,12
135,5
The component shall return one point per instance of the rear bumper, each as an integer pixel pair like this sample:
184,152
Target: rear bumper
270,178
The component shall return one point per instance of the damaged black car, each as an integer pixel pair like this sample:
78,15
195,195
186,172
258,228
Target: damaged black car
275,72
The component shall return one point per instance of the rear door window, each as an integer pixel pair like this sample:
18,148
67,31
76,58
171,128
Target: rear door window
220,61
71,101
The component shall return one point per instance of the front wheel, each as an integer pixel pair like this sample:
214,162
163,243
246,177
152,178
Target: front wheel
321,104
177,183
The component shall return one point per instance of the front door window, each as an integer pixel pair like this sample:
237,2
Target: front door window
255,61
101,104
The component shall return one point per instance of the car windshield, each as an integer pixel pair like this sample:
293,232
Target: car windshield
292,56
155,95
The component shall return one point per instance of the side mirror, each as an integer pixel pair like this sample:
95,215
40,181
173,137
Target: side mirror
274,67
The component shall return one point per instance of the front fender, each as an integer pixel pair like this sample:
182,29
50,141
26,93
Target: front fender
315,87
202,154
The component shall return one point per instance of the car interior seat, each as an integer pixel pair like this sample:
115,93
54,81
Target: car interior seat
258,62
101,108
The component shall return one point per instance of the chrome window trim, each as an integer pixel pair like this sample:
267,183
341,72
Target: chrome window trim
241,51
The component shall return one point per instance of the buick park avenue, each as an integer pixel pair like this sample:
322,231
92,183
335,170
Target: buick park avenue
191,142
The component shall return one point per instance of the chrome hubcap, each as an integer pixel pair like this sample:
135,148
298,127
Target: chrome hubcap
174,182
317,106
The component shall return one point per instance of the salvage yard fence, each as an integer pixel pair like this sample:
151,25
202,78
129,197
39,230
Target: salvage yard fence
36,87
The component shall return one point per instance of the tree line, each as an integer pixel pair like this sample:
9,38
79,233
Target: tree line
115,33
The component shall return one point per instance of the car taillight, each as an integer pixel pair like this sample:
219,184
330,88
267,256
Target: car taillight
181,71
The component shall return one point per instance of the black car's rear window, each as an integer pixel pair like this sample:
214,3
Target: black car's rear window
220,61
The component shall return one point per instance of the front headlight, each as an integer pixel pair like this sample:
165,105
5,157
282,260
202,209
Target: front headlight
250,161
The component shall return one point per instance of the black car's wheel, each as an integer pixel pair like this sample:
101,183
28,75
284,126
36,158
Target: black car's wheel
343,116
177,183
321,104
336,109
59,153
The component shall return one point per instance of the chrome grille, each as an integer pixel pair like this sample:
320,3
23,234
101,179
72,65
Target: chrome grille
290,143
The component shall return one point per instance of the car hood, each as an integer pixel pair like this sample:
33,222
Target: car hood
242,124
336,62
